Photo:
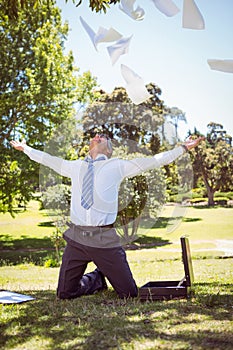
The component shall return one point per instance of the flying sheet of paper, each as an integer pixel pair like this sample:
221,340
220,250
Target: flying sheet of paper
221,65
121,47
135,86
128,74
106,35
103,35
127,6
167,7
7,297
192,17
89,31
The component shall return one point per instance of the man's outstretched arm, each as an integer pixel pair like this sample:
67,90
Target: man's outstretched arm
139,165
61,166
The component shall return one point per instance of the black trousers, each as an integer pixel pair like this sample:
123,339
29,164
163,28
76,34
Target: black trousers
112,262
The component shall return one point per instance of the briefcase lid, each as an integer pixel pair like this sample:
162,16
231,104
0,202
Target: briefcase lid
187,260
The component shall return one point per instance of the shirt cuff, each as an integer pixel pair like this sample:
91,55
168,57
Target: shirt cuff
185,148
27,150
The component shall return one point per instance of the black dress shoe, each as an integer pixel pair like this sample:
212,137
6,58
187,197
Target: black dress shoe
104,283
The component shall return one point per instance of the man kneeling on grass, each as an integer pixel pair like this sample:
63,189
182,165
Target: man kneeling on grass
91,236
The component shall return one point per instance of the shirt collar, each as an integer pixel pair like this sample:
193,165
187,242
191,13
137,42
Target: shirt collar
98,156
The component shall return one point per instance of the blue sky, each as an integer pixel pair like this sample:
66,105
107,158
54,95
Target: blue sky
164,53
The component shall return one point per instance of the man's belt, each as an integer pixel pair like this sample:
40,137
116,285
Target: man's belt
90,230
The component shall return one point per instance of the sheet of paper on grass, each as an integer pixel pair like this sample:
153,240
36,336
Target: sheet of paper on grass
167,7
127,6
192,17
7,297
221,65
103,34
135,86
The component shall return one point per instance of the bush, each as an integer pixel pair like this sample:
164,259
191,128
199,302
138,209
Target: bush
221,200
199,192
51,263
180,198
57,198
198,200
217,201
228,195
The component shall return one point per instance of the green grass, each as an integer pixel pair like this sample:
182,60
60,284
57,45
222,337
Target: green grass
102,321
207,229
32,222
200,223
26,238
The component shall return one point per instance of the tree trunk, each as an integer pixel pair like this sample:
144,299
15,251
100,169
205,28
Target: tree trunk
210,193
135,227
210,190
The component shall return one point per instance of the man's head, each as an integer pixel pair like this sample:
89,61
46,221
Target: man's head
100,143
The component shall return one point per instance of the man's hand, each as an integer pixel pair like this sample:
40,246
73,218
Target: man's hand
191,143
18,145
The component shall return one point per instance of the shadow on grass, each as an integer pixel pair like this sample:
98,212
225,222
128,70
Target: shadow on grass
25,250
144,241
214,294
46,224
37,257
103,321
212,206
191,219
163,222
160,222
24,242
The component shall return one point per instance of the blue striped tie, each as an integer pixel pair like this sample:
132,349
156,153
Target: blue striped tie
88,183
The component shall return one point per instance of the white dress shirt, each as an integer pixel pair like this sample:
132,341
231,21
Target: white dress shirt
108,175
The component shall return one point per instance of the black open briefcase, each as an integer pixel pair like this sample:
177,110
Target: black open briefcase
164,290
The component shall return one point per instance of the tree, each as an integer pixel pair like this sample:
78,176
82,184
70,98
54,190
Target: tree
130,125
38,91
98,5
13,7
176,116
214,160
216,133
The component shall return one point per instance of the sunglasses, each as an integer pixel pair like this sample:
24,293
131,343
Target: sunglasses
104,136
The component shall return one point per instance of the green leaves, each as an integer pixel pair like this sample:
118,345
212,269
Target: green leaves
214,161
13,8
97,5
38,85
130,125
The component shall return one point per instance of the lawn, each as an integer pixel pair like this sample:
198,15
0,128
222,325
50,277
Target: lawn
210,230
102,321
26,238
